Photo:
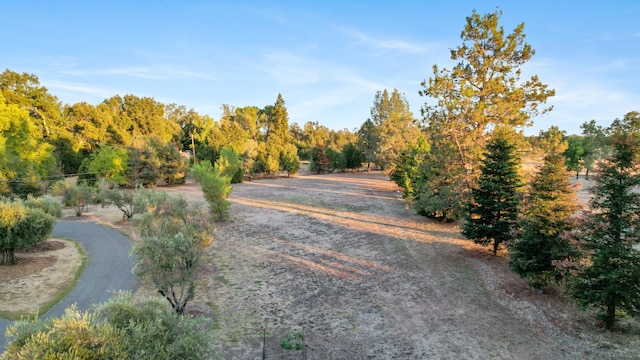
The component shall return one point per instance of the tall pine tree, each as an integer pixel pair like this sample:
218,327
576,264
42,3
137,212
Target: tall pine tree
547,212
493,210
611,281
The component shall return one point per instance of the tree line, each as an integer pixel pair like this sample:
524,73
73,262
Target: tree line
461,161
465,165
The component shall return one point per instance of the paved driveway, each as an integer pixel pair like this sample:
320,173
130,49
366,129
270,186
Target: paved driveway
108,269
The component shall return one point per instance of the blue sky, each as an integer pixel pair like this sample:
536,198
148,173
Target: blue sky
326,58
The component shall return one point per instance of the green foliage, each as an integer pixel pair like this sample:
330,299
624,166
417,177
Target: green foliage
170,261
173,166
215,187
274,127
336,160
109,163
481,93
149,331
143,167
117,329
394,127
229,165
440,189
543,246
610,279
319,160
75,335
172,235
492,212
21,227
80,196
47,204
267,159
594,144
353,157
28,185
128,202
407,167
289,159
574,154
24,155
368,138
292,340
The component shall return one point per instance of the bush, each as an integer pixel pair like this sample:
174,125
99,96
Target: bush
215,187
73,336
150,331
47,204
117,329
230,166
62,189
20,228
80,196
128,202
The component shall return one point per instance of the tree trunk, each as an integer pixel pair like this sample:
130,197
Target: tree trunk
495,247
7,257
586,175
610,316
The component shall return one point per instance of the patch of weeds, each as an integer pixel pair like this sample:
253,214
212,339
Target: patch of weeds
292,340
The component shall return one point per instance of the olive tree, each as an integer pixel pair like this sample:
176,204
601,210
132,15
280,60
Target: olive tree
172,236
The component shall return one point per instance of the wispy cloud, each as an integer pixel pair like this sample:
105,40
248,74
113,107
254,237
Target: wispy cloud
143,72
81,89
385,44
138,72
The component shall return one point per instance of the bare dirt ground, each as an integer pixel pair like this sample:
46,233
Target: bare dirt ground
42,272
342,258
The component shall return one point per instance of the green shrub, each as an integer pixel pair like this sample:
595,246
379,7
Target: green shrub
80,196
230,166
128,202
73,336
47,204
116,329
21,227
215,187
150,331
29,185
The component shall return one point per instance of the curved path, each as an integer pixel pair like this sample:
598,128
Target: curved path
108,268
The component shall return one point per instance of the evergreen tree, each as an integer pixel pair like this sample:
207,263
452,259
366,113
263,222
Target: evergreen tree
483,91
215,188
547,211
611,281
492,212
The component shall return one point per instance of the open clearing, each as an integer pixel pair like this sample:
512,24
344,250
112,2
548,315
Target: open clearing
342,258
